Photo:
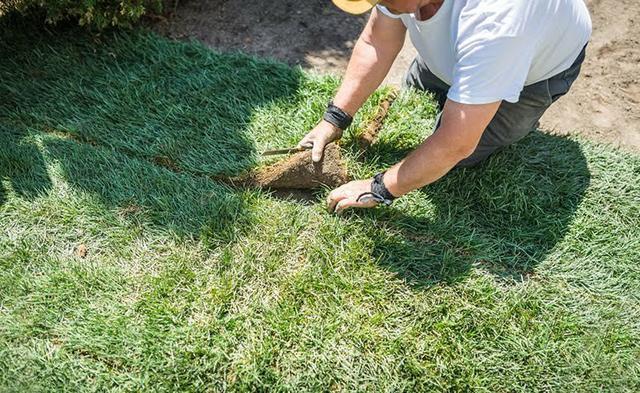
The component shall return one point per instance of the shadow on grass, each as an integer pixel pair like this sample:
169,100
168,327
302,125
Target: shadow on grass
21,164
504,216
139,121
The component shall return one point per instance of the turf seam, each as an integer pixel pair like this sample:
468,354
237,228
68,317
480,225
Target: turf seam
370,134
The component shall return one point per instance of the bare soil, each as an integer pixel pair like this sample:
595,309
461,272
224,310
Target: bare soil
604,103
299,172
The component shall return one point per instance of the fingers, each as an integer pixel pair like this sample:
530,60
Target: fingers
338,201
332,201
305,142
318,150
316,143
338,206
318,139
345,204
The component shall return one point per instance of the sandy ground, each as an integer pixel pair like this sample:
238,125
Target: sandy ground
604,103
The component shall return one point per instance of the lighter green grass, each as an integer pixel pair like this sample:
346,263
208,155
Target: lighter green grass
519,275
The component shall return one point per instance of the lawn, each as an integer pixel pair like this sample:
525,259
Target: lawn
126,265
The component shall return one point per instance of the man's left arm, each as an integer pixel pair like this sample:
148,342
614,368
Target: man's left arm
460,130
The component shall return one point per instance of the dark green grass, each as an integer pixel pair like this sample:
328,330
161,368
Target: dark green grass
519,275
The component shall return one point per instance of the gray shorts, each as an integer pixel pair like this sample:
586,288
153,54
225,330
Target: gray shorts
512,122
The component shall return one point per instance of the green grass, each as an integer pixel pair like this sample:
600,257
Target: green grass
519,275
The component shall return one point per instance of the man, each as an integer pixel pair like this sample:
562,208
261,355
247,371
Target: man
495,66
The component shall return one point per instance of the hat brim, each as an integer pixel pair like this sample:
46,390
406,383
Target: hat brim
355,7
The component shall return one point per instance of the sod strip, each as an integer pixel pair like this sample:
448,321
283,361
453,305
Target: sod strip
294,173
179,104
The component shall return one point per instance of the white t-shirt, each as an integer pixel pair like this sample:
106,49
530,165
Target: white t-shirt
488,50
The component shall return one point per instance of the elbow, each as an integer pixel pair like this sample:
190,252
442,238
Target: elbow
462,151
457,142
457,145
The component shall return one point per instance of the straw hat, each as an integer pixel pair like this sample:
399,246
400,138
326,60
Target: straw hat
355,6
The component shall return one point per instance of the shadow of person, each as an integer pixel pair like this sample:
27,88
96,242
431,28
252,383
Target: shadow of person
21,164
504,216
143,123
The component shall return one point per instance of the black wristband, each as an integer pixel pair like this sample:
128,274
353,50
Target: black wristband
378,187
337,117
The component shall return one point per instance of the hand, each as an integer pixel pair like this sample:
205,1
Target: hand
323,134
346,196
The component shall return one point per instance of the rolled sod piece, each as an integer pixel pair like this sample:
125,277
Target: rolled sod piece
300,172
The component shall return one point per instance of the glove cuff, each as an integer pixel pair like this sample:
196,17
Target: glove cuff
337,117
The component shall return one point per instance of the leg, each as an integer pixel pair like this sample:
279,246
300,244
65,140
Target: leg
419,77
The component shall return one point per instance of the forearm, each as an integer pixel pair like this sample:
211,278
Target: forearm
372,57
458,136
429,162
367,68
426,164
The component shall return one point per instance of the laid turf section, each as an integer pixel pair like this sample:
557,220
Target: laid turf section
154,99
519,275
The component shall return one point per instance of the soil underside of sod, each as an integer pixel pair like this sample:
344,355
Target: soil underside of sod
299,173
130,261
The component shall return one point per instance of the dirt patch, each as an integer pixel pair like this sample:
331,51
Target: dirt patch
80,251
299,172
313,33
604,103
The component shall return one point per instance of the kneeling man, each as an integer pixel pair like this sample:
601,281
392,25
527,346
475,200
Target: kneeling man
494,66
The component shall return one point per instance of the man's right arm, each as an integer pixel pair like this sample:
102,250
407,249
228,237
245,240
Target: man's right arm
372,57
